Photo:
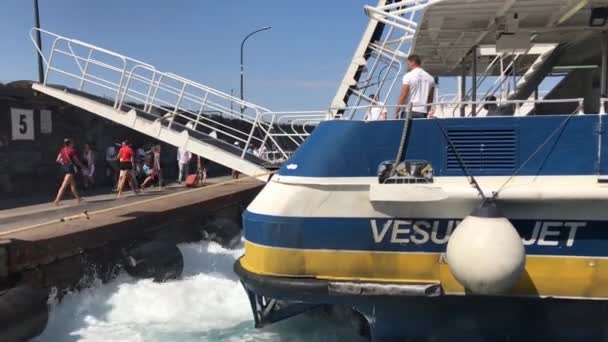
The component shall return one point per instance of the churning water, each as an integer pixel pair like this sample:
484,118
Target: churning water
207,304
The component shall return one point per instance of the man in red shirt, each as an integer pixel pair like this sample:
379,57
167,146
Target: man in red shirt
125,157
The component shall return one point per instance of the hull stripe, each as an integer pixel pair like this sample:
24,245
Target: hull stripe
544,276
541,237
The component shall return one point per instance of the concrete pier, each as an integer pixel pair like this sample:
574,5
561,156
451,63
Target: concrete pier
44,246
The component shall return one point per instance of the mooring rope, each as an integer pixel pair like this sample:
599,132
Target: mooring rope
404,134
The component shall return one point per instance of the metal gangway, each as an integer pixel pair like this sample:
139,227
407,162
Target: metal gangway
224,129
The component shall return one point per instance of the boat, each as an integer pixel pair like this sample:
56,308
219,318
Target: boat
467,226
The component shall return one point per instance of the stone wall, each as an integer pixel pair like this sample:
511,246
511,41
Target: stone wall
28,167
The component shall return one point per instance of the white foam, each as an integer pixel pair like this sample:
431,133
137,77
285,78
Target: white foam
207,304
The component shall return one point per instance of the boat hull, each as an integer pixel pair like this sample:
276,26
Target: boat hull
439,317
328,222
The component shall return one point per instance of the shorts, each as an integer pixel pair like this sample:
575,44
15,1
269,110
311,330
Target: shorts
68,169
126,166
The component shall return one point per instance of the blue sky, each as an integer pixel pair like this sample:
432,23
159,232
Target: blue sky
295,66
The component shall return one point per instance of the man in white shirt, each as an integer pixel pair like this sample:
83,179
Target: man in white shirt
418,89
183,162
377,111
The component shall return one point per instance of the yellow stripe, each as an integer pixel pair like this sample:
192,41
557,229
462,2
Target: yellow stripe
544,275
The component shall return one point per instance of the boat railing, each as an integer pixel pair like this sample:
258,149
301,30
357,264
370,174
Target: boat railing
294,126
603,102
438,108
128,84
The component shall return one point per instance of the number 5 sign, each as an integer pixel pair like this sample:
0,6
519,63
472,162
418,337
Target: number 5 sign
22,122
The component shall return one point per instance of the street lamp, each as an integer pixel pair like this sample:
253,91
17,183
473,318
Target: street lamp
242,67
38,41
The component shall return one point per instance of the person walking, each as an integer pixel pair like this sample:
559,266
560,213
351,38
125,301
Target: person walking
125,157
153,172
183,164
418,90
156,164
68,159
149,173
140,159
112,165
89,171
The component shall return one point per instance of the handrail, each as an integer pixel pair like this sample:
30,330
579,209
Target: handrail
168,97
578,100
499,82
481,79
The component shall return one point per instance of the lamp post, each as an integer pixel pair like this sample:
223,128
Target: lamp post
38,41
242,67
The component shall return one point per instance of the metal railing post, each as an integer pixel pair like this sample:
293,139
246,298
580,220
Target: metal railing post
251,133
150,86
179,100
156,86
200,112
263,143
84,71
122,77
48,67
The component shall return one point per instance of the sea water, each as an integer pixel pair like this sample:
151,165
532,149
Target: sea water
206,304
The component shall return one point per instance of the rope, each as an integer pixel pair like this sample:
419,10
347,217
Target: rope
401,150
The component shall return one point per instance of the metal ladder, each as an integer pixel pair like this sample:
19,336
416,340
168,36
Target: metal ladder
378,60
169,107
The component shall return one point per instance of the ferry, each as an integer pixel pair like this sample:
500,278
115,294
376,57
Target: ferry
485,222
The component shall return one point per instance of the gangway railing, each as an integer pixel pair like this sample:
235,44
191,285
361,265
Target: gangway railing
177,103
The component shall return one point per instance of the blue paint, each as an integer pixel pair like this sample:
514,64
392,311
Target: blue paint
357,234
355,149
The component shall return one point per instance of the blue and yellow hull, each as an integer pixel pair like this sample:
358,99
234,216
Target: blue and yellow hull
305,259
345,249
321,224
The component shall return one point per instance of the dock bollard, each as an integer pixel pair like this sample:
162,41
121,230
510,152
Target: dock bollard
156,259
23,313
